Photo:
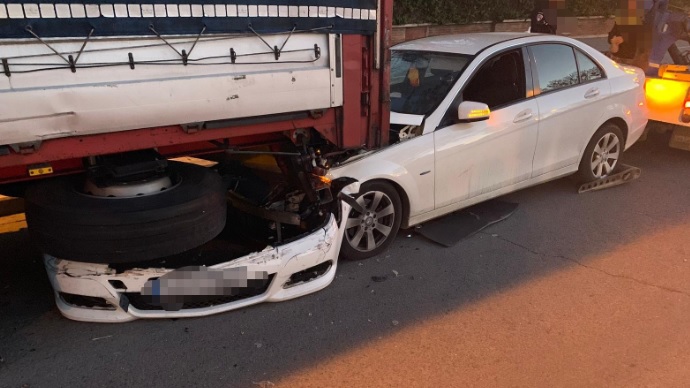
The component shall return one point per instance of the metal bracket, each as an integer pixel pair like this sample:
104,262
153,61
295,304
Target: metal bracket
185,57
6,67
276,51
190,128
71,61
26,148
624,175
282,217
184,54
31,31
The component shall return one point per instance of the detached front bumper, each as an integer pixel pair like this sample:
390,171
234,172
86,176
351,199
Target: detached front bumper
96,293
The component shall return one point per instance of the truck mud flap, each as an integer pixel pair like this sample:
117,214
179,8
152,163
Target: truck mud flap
624,175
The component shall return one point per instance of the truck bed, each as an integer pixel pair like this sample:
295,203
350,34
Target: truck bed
128,83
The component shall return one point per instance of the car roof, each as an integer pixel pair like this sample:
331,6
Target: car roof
469,44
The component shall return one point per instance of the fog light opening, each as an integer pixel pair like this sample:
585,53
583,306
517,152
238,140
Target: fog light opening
308,274
91,302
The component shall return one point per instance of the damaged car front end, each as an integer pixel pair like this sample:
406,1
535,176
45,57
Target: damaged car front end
98,293
278,244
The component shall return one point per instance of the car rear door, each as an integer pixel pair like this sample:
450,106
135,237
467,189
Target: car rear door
570,88
481,157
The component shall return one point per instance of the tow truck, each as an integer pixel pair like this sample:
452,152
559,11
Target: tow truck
668,74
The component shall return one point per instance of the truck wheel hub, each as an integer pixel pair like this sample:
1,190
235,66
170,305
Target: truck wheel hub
129,189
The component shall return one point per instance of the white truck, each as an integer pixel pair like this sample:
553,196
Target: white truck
97,97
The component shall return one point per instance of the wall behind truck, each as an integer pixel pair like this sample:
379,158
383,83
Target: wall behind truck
582,26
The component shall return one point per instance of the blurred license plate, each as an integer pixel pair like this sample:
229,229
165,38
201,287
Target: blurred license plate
194,284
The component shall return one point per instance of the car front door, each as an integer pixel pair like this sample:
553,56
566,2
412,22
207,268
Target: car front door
570,87
480,157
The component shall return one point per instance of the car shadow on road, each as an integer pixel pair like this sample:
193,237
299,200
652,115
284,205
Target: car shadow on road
416,280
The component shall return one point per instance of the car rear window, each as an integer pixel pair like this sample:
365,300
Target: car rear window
589,71
556,66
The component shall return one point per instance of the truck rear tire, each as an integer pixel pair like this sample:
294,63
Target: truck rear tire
68,224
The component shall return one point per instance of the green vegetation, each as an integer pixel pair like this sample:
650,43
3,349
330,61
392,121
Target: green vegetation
467,11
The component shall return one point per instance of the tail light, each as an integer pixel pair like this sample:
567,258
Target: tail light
685,117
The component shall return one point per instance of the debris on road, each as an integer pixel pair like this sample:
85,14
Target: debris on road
100,338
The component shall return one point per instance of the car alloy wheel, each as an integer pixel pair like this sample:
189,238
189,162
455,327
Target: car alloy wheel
373,223
369,230
602,154
605,155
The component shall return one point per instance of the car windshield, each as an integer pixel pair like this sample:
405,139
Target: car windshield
421,79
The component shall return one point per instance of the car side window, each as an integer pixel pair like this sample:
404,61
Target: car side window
500,81
589,71
556,66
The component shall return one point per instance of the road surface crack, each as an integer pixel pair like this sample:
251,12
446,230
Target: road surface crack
613,275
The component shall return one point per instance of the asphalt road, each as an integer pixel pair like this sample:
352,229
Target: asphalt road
572,290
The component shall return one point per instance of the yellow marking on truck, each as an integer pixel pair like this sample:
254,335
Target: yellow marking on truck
43,170
12,224
197,161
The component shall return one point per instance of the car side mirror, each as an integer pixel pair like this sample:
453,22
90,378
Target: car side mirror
470,111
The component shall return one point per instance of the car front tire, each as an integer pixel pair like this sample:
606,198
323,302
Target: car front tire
372,231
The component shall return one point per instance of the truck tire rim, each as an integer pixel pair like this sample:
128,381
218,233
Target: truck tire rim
367,231
130,189
605,155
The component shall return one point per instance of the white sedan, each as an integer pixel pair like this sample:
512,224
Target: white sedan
477,116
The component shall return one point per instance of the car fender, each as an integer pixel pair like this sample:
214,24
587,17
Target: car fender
617,114
416,182
603,119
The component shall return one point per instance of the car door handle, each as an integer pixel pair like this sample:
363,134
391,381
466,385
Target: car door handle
591,93
523,116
